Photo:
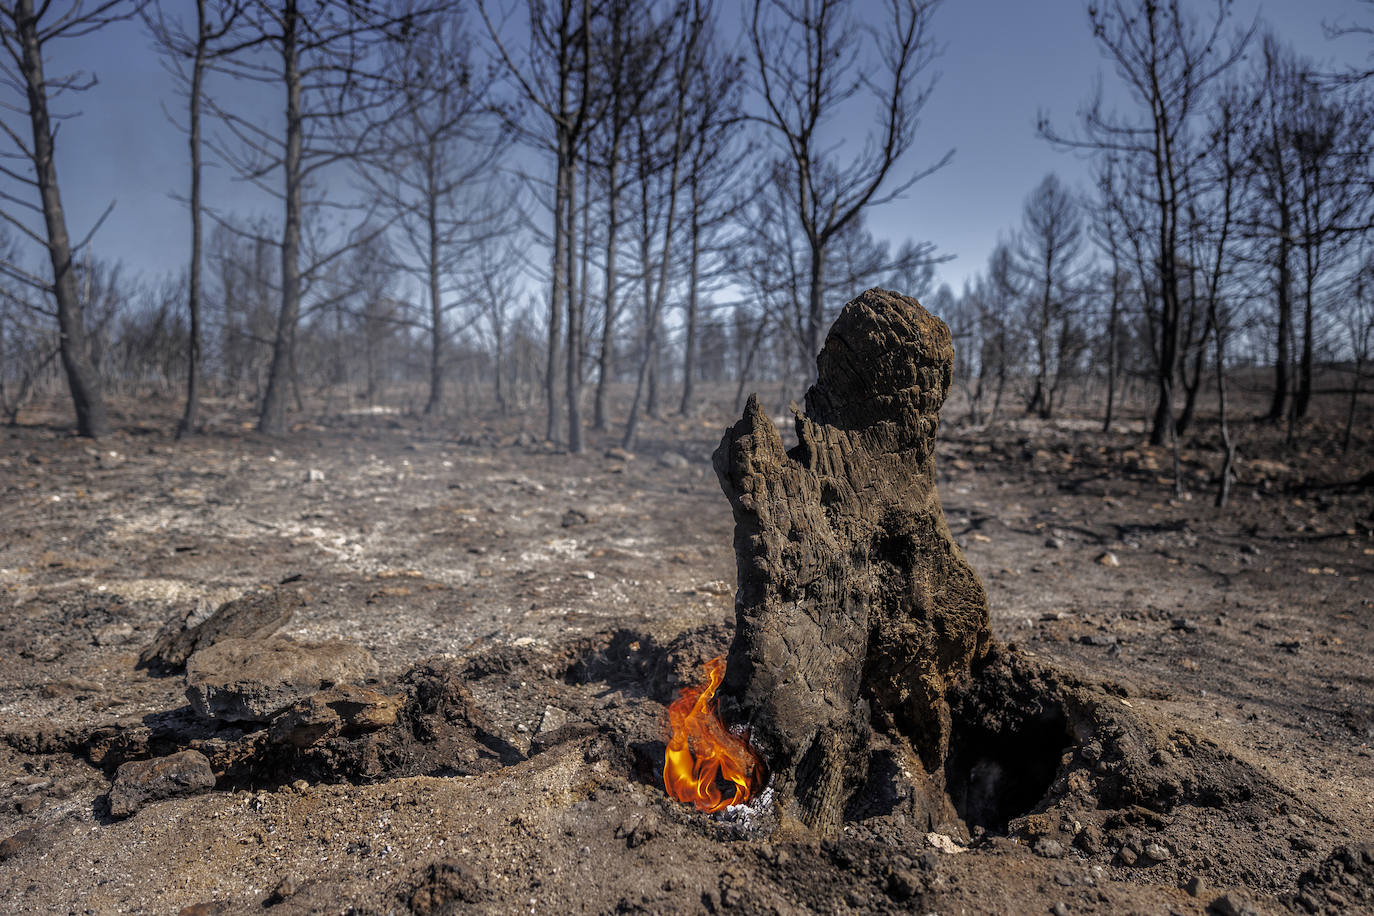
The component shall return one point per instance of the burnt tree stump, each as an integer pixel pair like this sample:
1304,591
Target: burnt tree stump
856,612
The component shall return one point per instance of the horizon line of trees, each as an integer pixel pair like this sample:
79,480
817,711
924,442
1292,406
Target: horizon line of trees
683,205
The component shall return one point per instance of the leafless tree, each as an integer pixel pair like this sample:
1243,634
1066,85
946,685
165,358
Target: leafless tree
214,21
436,176
1168,63
554,77
27,32
810,62
659,160
1048,257
323,57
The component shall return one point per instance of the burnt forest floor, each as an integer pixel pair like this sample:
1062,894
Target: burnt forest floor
564,599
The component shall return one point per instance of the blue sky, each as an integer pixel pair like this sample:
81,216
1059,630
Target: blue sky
1003,61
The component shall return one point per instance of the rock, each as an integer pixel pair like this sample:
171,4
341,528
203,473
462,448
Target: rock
1050,849
1185,624
1232,904
289,886
855,603
141,781
250,680
1108,559
442,887
551,720
71,687
1153,854
114,634
314,475
28,804
17,843
207,908
902,884
619,454
944,843
1127,855
673,460
256,615
344,709
1059,908
1196,886
573,518
1054,543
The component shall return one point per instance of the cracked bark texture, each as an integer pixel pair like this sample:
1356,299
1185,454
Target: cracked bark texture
856,611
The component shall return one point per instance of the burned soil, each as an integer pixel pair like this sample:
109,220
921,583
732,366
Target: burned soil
1176,714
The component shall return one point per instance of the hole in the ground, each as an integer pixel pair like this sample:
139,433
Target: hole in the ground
1010,732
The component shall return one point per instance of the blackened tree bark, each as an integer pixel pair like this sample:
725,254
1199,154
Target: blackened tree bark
856,611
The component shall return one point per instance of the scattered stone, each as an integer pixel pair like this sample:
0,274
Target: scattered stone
141,781
441,888
551,720
1232,904
286,887
256,615
902,884
208,908
71,687
250,680
12,846
1108,559
1153,854
1049,848
573,518
114,634
1196,886
943,843
344,709
673,460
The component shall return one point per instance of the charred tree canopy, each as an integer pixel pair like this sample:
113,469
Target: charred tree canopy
856,611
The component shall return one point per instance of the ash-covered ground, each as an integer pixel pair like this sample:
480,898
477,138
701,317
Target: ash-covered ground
504,624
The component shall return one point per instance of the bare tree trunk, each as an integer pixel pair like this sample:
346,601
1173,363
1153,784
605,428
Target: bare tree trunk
1354,398
190,417
1112,319
82,378
1285,305
689,356
1228,447
606,358
575,309
560,290
1304,394
436,309
272,420
815,306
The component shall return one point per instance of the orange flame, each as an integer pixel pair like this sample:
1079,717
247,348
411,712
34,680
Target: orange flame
702,752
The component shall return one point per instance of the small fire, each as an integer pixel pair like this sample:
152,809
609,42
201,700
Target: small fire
702,752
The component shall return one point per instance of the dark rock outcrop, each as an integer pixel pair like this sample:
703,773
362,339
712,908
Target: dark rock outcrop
251,680
255,615
141,781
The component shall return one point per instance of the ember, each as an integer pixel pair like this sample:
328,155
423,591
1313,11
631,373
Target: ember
702,754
